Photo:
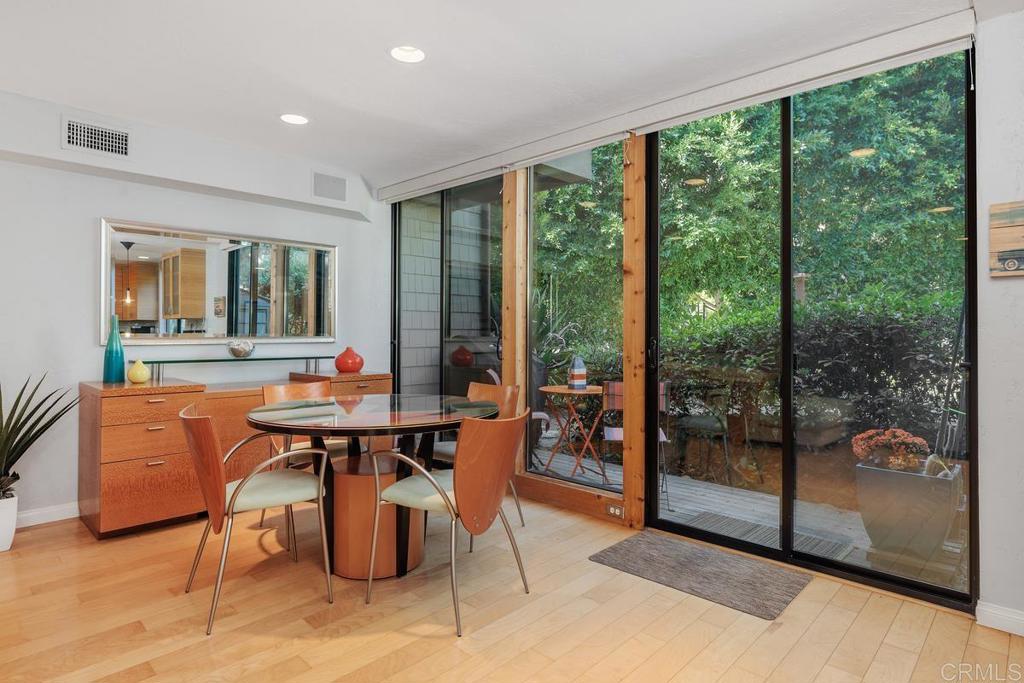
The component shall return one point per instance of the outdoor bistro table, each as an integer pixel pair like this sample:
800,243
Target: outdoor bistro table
568,417
352,417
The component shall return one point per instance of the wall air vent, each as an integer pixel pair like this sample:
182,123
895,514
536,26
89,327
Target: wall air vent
82,135
329,187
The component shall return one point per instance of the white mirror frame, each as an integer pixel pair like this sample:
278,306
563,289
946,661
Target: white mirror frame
109,225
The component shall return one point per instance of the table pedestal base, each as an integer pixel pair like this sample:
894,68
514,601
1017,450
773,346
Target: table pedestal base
353,521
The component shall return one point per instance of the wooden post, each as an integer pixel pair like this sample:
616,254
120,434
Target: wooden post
514,304
634,325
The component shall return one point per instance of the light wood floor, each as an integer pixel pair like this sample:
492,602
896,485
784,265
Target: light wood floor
74,609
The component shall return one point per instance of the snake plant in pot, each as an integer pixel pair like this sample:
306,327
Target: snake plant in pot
21,425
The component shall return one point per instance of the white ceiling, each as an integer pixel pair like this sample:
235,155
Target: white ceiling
496,74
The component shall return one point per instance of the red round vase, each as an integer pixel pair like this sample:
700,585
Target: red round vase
348,361
462,357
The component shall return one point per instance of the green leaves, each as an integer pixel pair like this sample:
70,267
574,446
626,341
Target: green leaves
23,424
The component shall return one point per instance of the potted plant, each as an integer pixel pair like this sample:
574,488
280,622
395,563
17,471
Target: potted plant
908,498
20,427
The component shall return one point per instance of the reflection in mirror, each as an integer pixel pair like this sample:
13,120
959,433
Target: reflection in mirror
165,284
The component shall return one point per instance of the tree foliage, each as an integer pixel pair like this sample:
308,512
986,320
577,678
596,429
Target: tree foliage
877,236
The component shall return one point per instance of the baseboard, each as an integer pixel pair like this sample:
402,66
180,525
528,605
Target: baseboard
1002,618
51,513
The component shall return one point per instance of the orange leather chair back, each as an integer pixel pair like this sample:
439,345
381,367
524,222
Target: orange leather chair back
485,457
506,396
208,459
296,391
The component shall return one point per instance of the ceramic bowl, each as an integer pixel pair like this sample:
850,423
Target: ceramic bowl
241,348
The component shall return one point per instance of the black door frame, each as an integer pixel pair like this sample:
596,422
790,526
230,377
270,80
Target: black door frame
786,553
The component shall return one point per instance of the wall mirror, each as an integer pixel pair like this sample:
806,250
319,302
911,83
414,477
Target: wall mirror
168,285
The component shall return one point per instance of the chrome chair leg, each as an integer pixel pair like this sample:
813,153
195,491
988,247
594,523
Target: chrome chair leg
515,497
220,574
373,551
199,554
515,548
293,547
455,586
323,545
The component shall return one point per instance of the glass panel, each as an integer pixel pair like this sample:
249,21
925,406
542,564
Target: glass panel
264,301
576,310
242,298
880,399
719,443
472,286
298,307
420,294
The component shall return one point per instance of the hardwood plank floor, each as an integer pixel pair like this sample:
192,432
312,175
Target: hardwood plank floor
74,609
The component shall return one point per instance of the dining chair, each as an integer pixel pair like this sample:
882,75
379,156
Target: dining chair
471,492
298,391
261,488
614,402
707,419
507,398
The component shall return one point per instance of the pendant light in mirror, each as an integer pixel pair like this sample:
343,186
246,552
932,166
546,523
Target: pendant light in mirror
127,271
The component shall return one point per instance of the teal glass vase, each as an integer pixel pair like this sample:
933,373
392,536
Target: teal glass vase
113,358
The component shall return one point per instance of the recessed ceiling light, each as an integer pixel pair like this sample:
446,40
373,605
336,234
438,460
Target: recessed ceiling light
142,257
941,209
863,152
588,205
695,182
295,119
408,54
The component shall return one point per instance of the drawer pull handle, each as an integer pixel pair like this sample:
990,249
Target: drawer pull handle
155,463
156,428
363,385
157,400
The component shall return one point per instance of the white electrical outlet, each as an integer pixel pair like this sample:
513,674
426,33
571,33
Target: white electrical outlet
614,510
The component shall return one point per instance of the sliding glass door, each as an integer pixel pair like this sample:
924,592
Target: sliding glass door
448,288
472,286
829,428
879,311
719,451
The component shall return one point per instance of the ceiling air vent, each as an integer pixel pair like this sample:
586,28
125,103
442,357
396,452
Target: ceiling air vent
81,135
329,187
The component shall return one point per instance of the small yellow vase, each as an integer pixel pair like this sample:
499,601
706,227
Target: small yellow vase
138,373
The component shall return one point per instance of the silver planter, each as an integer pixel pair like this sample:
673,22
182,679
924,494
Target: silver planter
907,512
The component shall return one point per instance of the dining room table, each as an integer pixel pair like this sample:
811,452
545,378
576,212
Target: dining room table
361,416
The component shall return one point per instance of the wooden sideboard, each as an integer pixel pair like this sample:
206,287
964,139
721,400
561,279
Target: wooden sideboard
134,467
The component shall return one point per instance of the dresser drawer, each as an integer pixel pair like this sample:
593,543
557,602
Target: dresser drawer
145,409
145,440
148,490
370,386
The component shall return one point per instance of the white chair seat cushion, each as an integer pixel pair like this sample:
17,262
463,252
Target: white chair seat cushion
417,492
615,434
274,489
445,451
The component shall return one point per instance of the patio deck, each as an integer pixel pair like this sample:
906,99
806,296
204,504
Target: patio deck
820,529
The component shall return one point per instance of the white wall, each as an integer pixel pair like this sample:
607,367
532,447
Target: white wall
49,279
1000,107
173,157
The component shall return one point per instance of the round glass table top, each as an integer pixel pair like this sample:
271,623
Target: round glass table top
368,414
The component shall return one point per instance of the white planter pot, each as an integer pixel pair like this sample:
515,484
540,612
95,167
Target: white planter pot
8,520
